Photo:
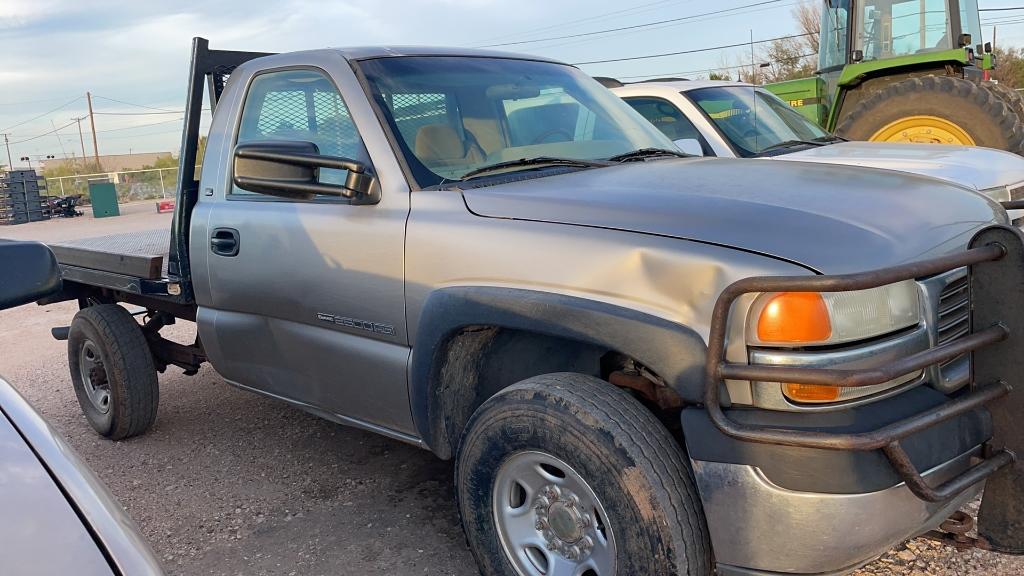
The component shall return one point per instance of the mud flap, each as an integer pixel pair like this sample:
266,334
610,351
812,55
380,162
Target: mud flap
997,297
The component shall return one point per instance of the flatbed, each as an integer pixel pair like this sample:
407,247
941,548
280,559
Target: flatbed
131,262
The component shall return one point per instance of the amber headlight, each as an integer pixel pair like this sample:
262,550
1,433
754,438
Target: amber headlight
797,319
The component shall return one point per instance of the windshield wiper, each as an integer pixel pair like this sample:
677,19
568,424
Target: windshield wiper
791,143
644,153
830,139
537,162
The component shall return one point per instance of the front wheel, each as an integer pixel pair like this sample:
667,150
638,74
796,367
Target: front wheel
565,475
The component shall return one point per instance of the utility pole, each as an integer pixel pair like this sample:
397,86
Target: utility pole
81,140
92,123
10,163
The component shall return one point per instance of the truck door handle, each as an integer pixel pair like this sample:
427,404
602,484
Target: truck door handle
224,242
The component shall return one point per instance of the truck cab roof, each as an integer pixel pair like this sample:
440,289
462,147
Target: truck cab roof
369,52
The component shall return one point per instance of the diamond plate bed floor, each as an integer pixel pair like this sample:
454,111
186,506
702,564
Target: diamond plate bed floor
142,254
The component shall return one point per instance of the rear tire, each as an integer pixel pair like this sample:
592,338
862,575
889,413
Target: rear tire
566,474
112,371
935,109
1012,98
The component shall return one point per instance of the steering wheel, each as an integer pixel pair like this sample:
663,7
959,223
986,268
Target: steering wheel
552,132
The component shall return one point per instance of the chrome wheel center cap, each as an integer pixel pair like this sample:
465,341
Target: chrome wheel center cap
563,523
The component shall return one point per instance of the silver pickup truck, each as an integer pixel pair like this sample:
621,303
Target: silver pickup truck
642,363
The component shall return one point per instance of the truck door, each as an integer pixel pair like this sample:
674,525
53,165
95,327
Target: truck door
304,300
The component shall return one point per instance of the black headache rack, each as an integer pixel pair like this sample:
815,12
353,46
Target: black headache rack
212,67
995,260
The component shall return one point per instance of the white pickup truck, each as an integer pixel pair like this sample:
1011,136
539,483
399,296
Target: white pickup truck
739,120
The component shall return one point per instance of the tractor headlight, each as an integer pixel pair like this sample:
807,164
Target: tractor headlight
797,319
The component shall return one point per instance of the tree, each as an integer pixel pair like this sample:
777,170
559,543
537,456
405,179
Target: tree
1009,66
792,58
789,58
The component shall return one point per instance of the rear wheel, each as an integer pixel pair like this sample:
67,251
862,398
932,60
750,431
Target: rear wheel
565,475
1012,98
935,110
112,371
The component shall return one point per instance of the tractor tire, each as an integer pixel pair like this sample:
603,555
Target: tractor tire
112,371
935,110
1012,98
566,474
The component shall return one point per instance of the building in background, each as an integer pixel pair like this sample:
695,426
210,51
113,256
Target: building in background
111,162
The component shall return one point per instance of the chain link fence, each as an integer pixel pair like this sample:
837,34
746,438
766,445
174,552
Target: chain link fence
131,185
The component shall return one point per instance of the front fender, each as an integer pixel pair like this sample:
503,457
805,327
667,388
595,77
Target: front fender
674,352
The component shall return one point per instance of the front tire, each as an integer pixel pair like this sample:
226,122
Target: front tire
565,474
112,371
935,110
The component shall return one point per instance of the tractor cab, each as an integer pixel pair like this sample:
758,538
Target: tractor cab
905,71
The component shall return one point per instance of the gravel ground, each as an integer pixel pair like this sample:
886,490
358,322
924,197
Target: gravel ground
228,482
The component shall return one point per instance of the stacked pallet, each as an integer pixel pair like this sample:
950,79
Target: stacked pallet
22,197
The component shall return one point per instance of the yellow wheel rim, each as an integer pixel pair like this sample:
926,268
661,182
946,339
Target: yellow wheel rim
923,130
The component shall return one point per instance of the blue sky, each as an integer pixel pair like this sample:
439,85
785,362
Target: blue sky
137,53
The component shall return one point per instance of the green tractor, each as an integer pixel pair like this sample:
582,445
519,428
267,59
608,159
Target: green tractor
907,71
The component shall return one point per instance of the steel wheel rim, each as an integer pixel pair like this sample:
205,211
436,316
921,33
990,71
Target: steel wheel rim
549,520
94,376
923,130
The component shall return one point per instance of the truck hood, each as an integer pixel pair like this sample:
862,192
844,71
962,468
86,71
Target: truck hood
977,168
830,219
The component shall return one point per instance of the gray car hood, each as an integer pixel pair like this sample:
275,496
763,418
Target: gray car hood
979,168
831,219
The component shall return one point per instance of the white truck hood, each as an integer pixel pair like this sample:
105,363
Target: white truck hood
974,167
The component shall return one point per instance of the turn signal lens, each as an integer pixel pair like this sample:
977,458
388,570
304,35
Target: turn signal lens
794,317
811,392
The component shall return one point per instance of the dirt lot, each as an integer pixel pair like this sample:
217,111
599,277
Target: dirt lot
230,483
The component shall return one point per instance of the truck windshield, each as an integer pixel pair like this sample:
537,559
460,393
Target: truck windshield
453,115
752,119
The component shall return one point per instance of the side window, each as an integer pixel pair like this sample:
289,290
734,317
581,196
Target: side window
665,117
300,105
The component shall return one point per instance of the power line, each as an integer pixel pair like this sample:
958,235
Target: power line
139,126
68,103
138,113
1000,9
711,69
694,51
176,131
132,104
640,8
23,102
697,19
37,136
635,26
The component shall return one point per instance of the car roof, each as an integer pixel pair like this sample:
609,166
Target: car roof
674,86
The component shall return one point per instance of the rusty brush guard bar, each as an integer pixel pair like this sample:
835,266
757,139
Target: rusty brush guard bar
995,260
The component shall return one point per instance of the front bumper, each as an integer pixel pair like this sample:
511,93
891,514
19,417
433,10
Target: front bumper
995,262
758,527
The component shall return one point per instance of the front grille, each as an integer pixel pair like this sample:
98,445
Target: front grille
953,313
